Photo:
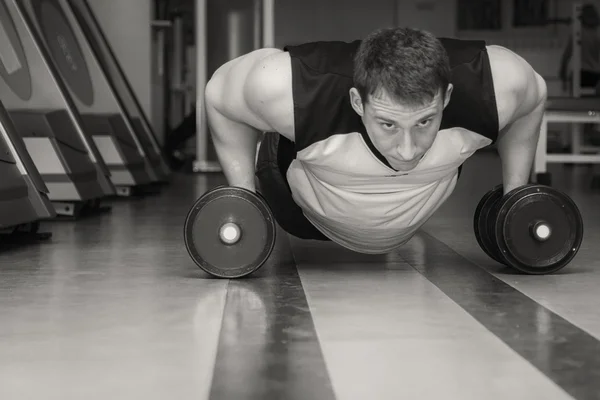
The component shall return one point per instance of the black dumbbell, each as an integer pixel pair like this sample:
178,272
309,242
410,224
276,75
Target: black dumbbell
229,232
483,224
535,229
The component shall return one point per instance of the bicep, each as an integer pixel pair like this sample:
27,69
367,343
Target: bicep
268,93
530,93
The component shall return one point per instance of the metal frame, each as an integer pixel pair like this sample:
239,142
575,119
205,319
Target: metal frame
575,118
576,43
264,38
542,158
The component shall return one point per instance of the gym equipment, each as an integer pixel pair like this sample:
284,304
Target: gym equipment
534,228
42,112
263,35
483,222
23,195
229,232
83,20
576,32
132,110
92,96
560,110
575,24
119,150
538,229
576,110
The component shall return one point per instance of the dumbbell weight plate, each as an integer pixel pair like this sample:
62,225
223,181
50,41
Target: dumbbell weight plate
246,211
483,223
556,215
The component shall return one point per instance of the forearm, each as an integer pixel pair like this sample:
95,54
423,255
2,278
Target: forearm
517,146
235,145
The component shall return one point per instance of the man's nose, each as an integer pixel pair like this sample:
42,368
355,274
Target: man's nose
406,147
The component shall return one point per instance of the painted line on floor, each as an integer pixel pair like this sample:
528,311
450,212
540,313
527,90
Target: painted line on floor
268,345
565,353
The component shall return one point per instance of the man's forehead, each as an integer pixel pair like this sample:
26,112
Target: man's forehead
381,95
385,103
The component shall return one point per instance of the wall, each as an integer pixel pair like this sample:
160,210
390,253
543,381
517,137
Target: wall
436,16
311,20
308,20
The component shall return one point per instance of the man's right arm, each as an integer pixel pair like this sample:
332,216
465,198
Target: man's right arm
239,99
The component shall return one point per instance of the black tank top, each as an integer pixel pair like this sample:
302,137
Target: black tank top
322,76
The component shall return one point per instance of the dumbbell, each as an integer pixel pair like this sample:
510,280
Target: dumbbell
229,232
534,228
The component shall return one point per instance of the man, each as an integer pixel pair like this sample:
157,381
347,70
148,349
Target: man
590,50
370,135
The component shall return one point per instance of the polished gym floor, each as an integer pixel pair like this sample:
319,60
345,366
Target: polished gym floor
112,307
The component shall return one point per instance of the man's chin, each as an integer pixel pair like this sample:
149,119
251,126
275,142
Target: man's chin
403,166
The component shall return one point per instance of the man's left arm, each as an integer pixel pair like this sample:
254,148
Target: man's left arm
518,139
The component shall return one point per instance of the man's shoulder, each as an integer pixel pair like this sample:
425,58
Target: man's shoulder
510,71
518,87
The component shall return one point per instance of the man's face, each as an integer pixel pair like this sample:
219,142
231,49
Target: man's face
401,133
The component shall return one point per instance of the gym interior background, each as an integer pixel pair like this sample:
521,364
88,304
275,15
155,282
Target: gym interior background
99,297
540,42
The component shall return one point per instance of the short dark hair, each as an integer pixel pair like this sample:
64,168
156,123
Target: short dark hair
411,65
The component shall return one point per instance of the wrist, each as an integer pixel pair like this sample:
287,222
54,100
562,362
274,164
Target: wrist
513,183
509,187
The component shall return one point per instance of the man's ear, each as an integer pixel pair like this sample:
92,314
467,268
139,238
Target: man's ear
448,95
356,102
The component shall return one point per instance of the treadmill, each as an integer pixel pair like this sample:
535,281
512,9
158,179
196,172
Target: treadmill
42,112
24,201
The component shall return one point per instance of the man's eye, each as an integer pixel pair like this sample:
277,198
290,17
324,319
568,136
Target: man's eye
387,125
424,123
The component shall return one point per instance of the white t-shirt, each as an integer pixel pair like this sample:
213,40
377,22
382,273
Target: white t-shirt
360,203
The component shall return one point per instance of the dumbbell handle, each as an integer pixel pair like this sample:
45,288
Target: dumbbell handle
541,231
230,233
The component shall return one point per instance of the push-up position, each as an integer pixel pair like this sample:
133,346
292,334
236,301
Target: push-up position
366,139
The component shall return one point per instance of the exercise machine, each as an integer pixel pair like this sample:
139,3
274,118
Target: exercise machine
133,114
577,109
43,114
24,198
92,98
